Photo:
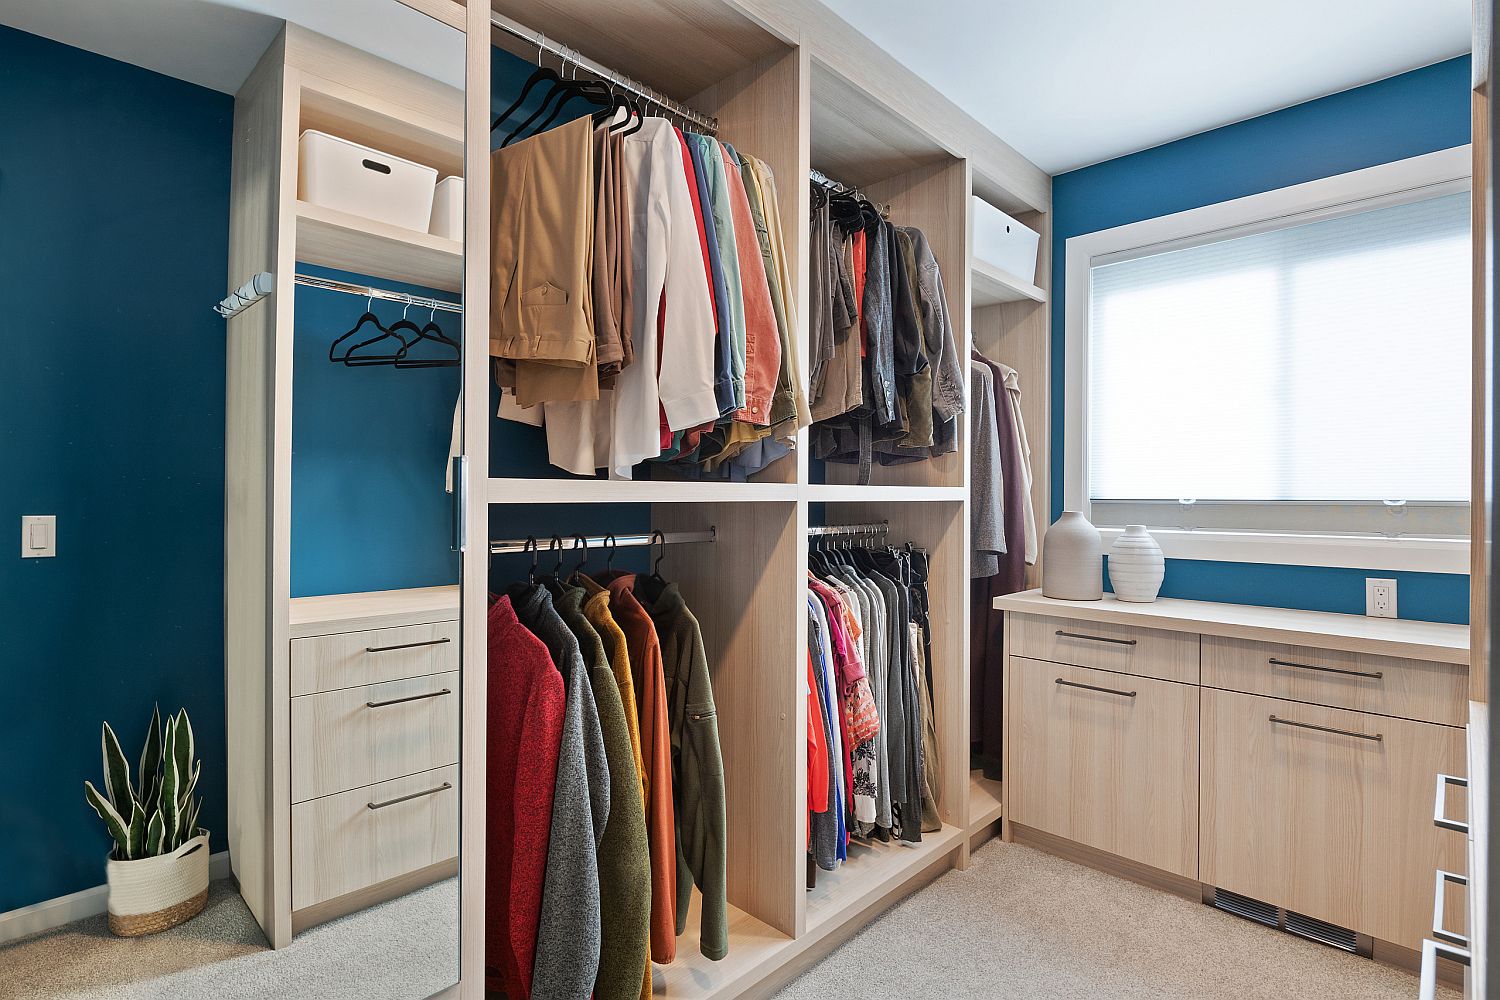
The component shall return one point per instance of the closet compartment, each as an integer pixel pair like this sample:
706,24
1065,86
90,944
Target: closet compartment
1169,656
348,177
893,162
1328,812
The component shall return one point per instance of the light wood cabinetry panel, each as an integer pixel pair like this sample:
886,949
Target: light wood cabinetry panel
1329,825
352,659
1171,656
340,844
358,736
1116,771
1409,689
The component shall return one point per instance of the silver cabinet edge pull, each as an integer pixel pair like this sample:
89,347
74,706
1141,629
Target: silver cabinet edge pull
1096,638
407,798
1373,675
1376,738
412,697
1439,808
1090,687
1439,897
407,645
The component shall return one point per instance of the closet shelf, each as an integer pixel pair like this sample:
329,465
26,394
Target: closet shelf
365,246
844,493
875,871
753,947
984,802
992,286
506,491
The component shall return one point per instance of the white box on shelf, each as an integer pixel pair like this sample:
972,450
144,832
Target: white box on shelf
448,209
1004,242
348,177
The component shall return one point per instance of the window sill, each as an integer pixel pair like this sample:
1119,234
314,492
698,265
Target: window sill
1421,555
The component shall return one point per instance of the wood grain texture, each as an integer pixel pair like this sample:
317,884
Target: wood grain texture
872,868
335,613
340,845
986,799
1179,885
1481,495
1328,825
380,892
339,741
522,491
398,93
994,285
742,591
354,659
856,140
337,239
1171,656
1356,633
1113,772
341,110
1410,689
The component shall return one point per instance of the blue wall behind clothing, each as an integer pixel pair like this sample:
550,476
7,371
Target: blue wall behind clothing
1407,115
369,451
114,196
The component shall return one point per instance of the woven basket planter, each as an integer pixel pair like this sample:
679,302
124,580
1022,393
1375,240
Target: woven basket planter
154,894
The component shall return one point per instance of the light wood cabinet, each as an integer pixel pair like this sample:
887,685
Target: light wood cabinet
1106,759
1171,656
352,659
1326,812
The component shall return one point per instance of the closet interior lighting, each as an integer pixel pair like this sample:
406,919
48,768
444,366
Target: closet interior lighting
707,124
568,543
262,284
873,529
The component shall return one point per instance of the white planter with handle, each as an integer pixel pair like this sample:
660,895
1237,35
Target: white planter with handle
154,894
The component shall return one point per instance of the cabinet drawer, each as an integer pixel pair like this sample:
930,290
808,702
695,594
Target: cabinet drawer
350,659
356,737
1115,769
351,841
1171,656
1334,824
1384,685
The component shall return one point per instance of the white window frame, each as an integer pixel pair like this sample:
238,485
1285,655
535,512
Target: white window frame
1326,197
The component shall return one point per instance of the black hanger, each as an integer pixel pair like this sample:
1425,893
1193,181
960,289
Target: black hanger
565,90
368,317
542,74
430,332
609,552
397,330
594,93
583,563
531,546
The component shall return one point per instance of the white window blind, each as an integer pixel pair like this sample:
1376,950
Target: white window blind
1291,369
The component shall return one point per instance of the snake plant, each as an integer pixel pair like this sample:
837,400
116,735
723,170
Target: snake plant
158,813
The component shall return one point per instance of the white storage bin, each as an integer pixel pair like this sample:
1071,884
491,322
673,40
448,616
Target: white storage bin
1004,242
348,177
448,209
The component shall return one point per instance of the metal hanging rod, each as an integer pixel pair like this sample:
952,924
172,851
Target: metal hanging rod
876,528
570,543
262,284
707,123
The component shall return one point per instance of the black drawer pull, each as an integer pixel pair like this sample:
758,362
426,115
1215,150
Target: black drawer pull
406,645
407,798
402,701
1090,687
1373,675
1096,638
1326,729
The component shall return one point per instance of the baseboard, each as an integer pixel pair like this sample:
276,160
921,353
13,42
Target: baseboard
53,913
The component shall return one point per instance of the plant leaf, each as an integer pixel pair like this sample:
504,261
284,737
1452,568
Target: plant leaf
116,772
192,823
137,832
185,796
185,747
112,821
171,808
155,831
150,776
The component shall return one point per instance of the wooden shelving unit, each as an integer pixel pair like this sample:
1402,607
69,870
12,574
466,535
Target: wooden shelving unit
986,802
604,491
993,285
365,246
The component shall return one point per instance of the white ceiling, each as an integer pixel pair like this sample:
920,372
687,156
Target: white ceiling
1073,82
216,43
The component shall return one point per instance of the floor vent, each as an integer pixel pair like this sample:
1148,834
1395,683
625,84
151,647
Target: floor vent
1244,906
1293,923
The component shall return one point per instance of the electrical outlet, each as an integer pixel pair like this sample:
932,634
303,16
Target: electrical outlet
1380,598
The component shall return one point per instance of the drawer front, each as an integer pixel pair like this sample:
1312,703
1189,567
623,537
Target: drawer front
351,659
1334,825
1171,656
1115,769
352,738
340,844
1384,685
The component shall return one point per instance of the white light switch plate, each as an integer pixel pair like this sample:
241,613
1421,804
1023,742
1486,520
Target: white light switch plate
38,536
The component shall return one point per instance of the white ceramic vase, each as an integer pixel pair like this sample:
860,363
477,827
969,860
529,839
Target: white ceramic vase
154,894
1136,566
1071,554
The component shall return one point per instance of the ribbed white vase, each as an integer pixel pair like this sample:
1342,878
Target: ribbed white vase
1071,551
1136,566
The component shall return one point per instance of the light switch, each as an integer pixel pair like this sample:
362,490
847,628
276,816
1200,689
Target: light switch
38,536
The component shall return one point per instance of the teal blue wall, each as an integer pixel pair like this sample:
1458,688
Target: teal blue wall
1417,112
114,232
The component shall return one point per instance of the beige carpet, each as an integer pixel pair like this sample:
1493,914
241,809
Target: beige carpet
1023,925
406,949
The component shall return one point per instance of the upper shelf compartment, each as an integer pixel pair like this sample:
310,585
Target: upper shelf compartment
992,286
365,246
859,141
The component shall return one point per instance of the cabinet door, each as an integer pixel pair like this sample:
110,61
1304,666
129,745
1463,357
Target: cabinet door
1334,825
1108,760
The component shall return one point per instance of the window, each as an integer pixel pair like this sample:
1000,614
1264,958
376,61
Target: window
1294,363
